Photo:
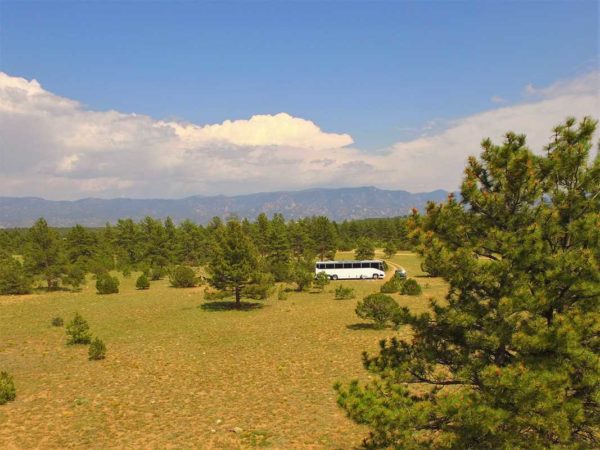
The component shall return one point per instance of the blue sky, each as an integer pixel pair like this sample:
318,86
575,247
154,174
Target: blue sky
179,98
376,69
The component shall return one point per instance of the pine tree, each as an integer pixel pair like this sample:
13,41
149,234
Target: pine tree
278,256
324,237
44,255
234,260
365,249
512,359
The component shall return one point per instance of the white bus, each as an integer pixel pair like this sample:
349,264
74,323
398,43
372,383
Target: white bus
349,270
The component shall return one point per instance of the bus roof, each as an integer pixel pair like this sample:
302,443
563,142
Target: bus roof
350,260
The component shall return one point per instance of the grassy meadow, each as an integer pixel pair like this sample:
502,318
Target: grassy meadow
182,374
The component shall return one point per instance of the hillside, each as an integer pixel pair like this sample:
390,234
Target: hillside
338,204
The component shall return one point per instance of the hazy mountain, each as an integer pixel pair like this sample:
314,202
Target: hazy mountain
338,204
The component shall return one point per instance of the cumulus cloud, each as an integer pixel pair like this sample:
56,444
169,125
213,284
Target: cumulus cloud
54,147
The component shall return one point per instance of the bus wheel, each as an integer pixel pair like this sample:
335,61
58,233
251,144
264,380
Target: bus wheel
334,277
375,276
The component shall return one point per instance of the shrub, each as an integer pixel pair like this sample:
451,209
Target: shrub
394,284
411,287
321,280
13,278
57,322
183,277
380,308
7,388
142,282
107,284
78,331
343,293
97,350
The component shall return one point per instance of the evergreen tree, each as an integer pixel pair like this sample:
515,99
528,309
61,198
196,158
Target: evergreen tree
512,360
278,256
390,249
364,249
234,260
80,246
324,237
262,229
44,255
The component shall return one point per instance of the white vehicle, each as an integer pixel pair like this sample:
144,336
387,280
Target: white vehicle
351,270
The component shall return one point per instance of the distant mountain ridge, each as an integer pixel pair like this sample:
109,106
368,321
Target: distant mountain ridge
337,204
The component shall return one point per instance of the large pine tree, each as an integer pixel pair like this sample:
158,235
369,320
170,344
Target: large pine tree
511,358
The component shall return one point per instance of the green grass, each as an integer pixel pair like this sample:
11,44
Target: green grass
179,375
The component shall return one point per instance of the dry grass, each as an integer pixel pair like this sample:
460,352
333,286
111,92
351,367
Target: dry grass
180,376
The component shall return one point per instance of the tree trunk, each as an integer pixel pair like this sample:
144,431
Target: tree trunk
237,296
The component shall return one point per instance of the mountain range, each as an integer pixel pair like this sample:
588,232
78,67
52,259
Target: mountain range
337,204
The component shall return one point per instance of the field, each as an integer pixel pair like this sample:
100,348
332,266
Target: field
181,375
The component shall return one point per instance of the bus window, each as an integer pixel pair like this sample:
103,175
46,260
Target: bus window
356,265
320,266
329,266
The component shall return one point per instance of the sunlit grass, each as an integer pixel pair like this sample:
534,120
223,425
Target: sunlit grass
179,375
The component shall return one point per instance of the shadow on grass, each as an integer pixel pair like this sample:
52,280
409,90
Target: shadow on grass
363,326
230,306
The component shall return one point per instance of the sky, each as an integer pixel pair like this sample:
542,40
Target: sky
170,99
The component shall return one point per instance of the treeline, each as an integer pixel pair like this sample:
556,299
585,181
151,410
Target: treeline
42,255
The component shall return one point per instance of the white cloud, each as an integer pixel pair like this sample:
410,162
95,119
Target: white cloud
54,147
497,99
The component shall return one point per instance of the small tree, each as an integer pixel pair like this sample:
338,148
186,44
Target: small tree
365,249
78,331
57,321
107,284
142,282
321,280
380,308
97,350
390,249
183,277
303,273
410,287
7,388
394,284
234,261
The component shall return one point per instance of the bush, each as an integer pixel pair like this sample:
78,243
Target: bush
183,277
411,287
394,284
97,350
142,282
7,388
343,293
57,322
107,284
380,308
13,278
78,331
321,280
